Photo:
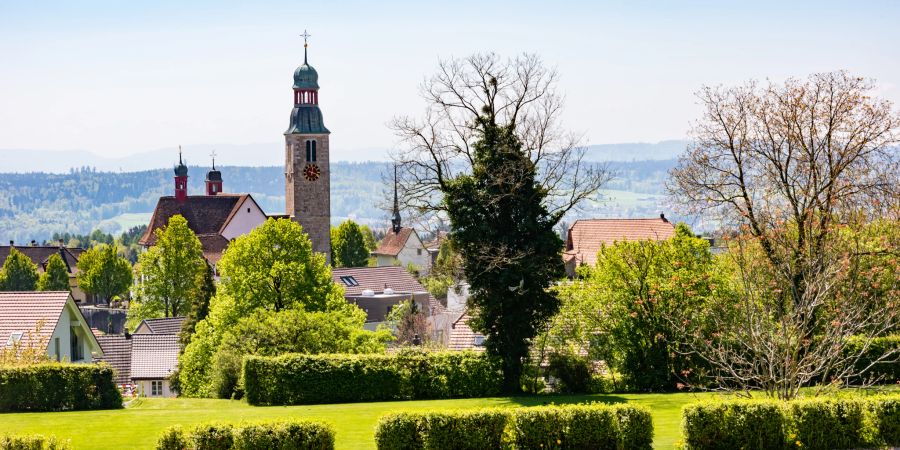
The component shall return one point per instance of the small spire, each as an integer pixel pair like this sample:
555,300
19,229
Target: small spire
179,155
396,220
213,155
306,37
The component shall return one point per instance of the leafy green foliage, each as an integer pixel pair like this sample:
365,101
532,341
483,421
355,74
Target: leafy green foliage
55,276
331,378
270,333
32,442
18,273
573,373
199,307
171,273
504,235
593,426
288,434
349,247
409,323
446,271
103,272
879,361
56,387
832,423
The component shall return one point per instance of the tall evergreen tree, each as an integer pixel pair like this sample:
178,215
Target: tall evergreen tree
504,234
19,273
55,276
348,245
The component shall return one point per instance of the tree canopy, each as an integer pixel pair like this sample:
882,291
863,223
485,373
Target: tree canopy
349,247
103,272
18,272
55,276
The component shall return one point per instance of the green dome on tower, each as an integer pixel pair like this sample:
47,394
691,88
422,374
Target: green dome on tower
181,170
305,77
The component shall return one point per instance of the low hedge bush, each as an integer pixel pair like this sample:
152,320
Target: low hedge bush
883,372
32,442
285,435
593,426
820,423
334,378
57,387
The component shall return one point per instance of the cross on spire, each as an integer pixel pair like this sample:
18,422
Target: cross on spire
179,155
305,37
213,155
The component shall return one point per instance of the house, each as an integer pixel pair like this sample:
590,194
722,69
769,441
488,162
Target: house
163,325
48,320
40,256
462,337
586,237
216,217
402,246
144,360
153,359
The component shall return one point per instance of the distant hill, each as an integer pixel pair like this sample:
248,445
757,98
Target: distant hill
35,205
636,151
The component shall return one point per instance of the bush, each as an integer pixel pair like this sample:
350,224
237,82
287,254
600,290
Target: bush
593,426
57,387
32,442
255,436
573,373
884,372
829,423
332,378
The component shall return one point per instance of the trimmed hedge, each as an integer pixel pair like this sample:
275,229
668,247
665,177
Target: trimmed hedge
885,372
294,434
334,378
57,387
32,442
822,423
595,426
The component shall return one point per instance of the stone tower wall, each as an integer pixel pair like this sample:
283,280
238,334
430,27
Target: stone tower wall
309,202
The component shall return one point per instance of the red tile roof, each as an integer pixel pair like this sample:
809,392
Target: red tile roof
205,214
117,353
213,246
163,325
379,278
153,356
393,242
462,337
23,311
40,255
586,236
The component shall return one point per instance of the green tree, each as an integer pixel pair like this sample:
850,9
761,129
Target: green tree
19,273
171,272
55,276
199,308
510,251
369,236
272,268
348,245
103,272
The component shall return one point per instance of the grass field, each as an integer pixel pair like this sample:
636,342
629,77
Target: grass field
139,425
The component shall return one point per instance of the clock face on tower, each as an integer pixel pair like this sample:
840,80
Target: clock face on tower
311,172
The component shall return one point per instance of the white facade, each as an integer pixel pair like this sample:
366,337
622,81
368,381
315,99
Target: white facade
71,325
413,252
154,388
248,216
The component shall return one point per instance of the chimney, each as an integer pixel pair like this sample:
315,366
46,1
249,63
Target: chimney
662,217
61,244
11,243
33,243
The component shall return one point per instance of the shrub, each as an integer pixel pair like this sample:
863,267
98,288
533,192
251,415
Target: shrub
56,387
573,373
830,423
883,372
293,434
331,378
593,426
887,416
730,425
32,442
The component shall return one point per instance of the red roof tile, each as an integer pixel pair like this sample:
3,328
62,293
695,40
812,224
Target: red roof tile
163,325
393,242
23,311
153,356
117,353
40,255
586,236
379,278
462,337
205,214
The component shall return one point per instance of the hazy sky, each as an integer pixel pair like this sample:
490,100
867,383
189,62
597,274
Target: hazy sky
120,77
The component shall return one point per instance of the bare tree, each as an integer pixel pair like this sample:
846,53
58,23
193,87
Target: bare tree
519,92
787,166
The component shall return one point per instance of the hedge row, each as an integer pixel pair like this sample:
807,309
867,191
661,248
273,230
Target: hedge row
883,372
32,442
294,434
58,386
334,378
593,426
845,423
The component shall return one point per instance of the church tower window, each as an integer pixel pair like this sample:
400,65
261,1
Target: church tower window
311,150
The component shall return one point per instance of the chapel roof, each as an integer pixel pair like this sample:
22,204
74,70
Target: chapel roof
586,236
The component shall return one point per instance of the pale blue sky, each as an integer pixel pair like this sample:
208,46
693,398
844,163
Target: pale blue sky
119,77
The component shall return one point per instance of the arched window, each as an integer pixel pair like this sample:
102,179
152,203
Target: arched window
311,151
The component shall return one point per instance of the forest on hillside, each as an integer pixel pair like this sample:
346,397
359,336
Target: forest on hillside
36,205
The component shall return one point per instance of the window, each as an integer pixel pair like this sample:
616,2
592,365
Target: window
56,348
311,150
14,338
248,210
76,347
349,281
156,388
479,340
419,251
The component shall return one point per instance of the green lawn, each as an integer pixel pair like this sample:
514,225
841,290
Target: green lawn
139,425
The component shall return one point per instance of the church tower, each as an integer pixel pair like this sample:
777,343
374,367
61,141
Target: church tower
181,179
307,171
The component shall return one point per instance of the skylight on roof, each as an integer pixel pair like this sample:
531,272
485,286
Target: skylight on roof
348,280
14,338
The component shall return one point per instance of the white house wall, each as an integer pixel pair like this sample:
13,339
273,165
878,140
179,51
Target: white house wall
248,217
414,252
61,332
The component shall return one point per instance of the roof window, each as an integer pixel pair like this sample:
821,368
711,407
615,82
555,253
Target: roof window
14,338
348,280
